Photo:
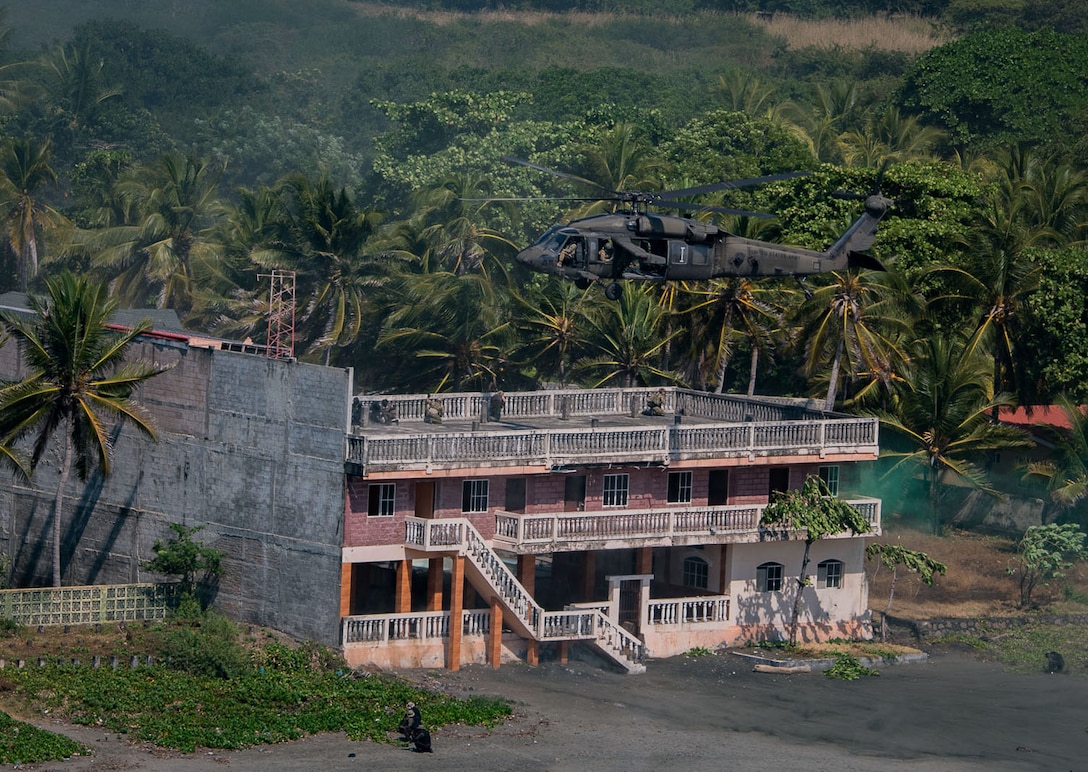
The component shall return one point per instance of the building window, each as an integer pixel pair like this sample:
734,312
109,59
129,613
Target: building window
615,490
769,577
474,496
383,497
696,572
829,574
679,488
830,476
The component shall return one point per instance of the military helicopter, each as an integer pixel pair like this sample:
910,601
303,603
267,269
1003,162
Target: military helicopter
636,244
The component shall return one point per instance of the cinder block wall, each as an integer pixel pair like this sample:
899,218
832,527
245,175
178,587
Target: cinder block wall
250,448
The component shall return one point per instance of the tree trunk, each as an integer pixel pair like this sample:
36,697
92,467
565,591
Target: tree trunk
58,502
833,381
797,598
887,608
752,371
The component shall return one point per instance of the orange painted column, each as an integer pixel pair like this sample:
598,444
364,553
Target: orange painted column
563,652
434,584
589,576
345,589
527,577
457,596
402,602
645,561
494,635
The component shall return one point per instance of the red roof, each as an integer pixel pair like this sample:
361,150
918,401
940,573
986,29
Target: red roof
1050,415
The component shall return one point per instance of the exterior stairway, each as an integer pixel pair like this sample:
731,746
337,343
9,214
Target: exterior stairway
492,577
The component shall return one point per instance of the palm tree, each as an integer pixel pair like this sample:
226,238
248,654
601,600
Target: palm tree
166,252
855,320
552,323
622,159
78,382
456,233
889,136
626,340
24,170
75,82
728,310
940,414
446,330
1066,471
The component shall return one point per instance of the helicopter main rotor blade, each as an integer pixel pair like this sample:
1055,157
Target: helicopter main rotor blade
534,198
576,178
701,189
708,208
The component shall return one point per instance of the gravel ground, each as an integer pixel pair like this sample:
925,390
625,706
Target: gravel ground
714,713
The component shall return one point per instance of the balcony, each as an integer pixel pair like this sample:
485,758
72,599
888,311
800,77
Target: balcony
611,529
555,429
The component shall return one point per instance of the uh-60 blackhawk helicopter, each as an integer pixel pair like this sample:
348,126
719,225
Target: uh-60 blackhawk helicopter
637,244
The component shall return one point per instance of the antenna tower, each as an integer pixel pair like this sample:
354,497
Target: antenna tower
281,315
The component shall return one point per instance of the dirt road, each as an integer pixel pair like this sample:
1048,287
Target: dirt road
709,713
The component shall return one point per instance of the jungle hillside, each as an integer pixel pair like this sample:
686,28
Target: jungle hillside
179,151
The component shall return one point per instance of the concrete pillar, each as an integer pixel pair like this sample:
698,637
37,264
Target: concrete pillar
494,635
402,603
564,647
645,561
527,573
589,574
345,589
532,652
723,572
434,584
457,595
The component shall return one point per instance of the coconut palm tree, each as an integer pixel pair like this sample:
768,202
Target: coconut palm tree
939,417
854,320
626,340
78,385
553,328
1065,472
161,256
24,171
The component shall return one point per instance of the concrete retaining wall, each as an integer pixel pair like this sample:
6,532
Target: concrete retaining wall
252,449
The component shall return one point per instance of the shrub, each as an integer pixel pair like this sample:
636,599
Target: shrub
847,668
207,648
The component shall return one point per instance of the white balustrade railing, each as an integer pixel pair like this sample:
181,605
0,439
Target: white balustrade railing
683,611
460,535
739,426
706,522
422,626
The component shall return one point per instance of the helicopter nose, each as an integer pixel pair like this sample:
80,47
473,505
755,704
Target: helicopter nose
536,258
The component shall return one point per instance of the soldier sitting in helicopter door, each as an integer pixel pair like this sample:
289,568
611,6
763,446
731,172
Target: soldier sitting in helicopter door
604,254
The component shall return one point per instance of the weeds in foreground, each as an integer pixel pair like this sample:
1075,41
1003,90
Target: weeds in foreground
698,651
848,668
22,743
1023,649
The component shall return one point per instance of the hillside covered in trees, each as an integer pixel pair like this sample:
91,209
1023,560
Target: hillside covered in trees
181,150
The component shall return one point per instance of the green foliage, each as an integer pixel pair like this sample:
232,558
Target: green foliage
208,648
848,668
22,743
1046,552
892,556
1022,648
698,651
813,510
1056,322
271,704
1000,87
188,560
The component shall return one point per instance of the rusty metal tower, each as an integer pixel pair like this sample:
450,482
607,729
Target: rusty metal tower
281,315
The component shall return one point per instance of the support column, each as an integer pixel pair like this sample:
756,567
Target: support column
494,636
457,596
527,577
645,561
564,650
434,584
589,573
345,589
402,603
723,572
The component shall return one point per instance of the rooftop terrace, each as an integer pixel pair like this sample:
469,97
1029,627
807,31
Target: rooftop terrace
556,428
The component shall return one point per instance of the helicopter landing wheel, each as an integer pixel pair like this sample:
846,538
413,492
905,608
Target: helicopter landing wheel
613,291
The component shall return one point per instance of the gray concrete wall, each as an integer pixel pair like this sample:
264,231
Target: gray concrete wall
250,448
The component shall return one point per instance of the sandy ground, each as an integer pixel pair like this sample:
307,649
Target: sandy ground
707,713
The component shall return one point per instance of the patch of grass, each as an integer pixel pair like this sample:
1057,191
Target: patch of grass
698,651
1023,650
22,743
180,710
847,668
